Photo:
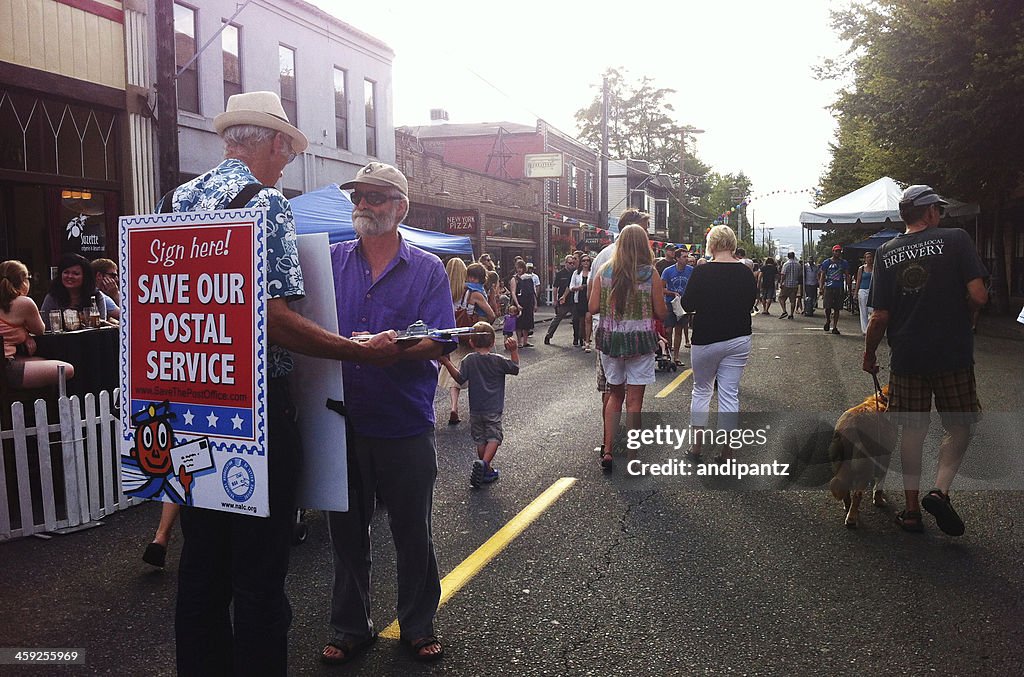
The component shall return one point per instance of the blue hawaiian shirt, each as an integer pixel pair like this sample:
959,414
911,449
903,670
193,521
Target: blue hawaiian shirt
214,190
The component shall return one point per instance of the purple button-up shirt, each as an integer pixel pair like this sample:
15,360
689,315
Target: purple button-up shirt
395,401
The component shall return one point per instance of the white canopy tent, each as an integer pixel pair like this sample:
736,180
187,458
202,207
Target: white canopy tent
876,205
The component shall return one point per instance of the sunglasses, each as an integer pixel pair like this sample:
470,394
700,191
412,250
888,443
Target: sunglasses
372,198
942,209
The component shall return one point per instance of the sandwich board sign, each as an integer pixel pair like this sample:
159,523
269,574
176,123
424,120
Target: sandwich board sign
193,359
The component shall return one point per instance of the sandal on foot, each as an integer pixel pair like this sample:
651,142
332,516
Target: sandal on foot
607,462
910,520
417,645
350,647
937,503
878,499
693,456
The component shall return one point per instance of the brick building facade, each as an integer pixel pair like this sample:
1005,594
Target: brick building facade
496,151
501,216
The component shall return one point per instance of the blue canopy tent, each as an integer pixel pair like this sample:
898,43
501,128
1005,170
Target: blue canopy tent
875,241
328,210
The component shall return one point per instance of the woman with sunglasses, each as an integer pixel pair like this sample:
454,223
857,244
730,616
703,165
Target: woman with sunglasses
578,296
75,287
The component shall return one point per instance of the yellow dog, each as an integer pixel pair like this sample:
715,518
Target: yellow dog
861,446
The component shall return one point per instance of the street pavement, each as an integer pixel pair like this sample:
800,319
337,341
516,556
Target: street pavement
620,575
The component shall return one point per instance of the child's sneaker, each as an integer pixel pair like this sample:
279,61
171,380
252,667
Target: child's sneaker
476,477
490,475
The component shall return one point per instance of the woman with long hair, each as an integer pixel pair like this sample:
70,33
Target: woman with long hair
75,287
19,319
719,295
628,293
456,269
524,294
577,296
863,286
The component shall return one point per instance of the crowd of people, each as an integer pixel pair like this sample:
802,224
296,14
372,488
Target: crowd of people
622,303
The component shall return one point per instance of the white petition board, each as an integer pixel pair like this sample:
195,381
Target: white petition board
323,483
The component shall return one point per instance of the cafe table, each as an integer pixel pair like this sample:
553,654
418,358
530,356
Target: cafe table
92,352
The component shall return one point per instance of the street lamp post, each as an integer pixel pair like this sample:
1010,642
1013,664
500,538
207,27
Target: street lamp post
770,247
764,234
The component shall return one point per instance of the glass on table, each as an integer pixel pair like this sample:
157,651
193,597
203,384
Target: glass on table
72,321
56,325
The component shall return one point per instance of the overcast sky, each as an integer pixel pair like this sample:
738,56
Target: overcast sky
743,71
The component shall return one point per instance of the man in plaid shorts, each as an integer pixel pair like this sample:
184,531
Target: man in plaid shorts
926,285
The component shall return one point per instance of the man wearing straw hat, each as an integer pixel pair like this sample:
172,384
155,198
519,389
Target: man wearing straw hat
229,558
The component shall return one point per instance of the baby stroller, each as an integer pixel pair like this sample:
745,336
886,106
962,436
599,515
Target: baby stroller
664,353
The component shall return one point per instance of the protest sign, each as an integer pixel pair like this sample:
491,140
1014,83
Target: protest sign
193,359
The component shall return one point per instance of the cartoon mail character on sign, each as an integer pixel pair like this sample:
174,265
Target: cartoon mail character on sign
162,469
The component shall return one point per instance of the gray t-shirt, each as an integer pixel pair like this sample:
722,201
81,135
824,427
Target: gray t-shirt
486,375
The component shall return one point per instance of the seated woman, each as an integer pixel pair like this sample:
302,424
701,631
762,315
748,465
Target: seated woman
75,287
19,319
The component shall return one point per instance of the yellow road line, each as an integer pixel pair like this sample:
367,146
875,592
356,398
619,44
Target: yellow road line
667,390
472,565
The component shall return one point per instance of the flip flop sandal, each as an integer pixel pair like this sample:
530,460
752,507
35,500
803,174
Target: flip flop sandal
692,456
350,648
607,462
937,503
416,646
910,520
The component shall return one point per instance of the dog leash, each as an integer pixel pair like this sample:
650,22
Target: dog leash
878,388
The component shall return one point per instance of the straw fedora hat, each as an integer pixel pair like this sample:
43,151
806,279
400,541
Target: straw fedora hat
262,109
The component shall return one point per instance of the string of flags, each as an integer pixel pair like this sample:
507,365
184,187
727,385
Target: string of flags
750,198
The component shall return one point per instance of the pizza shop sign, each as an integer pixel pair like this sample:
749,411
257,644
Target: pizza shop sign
460,222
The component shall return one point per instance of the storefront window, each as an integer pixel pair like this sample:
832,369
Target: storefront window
53,137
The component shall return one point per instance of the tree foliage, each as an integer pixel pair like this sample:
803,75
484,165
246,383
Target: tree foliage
935,96
936,90
641,126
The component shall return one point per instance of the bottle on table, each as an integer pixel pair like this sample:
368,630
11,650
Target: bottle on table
93,316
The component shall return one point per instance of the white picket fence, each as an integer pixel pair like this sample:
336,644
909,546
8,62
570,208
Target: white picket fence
64,474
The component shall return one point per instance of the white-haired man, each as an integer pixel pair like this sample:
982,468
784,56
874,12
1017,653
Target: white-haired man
230,559
383,282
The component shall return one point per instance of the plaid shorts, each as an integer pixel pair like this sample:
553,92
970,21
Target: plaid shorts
956,398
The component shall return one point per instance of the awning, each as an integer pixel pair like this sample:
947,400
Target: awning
875,205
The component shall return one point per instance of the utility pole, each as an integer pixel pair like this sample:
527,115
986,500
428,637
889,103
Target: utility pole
682,187
603,216
682,178
166,97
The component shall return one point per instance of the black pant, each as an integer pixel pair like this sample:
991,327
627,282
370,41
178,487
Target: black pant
562,311
229,557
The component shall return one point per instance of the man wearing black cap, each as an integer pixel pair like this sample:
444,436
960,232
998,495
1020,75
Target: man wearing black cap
925,285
